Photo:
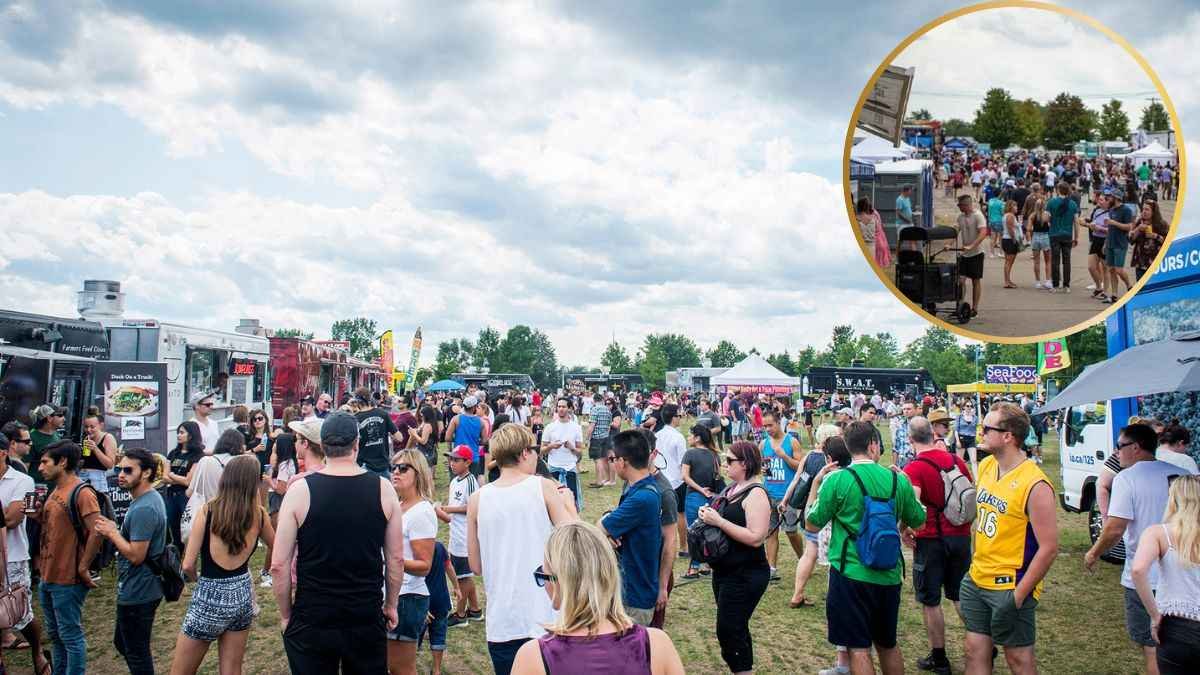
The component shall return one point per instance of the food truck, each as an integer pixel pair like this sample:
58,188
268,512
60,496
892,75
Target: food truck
48,359
191,360
306,367
495,383
1169,304
365,374
31,377
887,381
603,382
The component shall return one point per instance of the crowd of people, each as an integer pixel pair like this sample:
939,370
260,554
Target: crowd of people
342,498
1036,201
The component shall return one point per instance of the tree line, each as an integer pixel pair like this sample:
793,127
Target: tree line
522,349
937,350
360,332
1003,121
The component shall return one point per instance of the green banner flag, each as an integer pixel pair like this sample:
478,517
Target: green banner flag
411,373
1053,356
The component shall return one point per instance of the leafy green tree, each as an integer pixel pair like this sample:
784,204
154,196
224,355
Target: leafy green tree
957,127
921,114
443,370
422,376
995,353
1031,124
937,350
1068,121
973,353
844,348
652,364
360,333
725,355
573,370
616,359
292,333
880,350
950,367
806,358
1155,117
453,356
1114,123
528,350
996,119
1088,346
679,350
487,352
783,362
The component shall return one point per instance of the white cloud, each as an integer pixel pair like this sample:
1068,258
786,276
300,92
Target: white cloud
1029,52
297,265
1038,54
517,164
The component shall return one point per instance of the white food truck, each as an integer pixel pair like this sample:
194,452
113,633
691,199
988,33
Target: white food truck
236,364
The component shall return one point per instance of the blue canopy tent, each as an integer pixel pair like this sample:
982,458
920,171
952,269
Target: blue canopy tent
446,385
957,144
861,170
861,175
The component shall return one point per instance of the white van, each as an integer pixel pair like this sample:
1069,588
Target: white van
1085,436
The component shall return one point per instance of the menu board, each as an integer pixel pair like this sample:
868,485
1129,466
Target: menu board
132,397
238,388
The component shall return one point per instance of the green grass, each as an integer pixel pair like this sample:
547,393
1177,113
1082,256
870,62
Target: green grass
1080,619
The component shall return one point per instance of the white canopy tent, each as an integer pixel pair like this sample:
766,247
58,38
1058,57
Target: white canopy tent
1152,153
874,149
902,167
754,374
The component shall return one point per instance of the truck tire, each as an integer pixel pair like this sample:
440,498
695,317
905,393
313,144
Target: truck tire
1114,555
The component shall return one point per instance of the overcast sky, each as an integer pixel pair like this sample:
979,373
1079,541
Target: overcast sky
585,168
1032,54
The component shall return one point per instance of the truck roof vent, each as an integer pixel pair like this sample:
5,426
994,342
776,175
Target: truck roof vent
250,327
100,298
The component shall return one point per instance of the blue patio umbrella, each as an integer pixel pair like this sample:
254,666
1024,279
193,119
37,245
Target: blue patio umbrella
446,385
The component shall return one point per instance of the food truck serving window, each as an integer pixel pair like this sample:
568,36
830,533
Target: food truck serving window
201,369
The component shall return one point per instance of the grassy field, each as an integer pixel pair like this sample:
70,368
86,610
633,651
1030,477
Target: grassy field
1080,620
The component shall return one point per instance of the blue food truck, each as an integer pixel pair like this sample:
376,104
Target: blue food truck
1167,305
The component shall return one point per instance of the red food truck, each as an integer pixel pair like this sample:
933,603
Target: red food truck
365,374
302,367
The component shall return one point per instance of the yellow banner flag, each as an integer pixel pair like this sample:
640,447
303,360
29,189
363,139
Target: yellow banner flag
387,356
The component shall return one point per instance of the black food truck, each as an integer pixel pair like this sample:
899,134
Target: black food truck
886,381
47,359
495,383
